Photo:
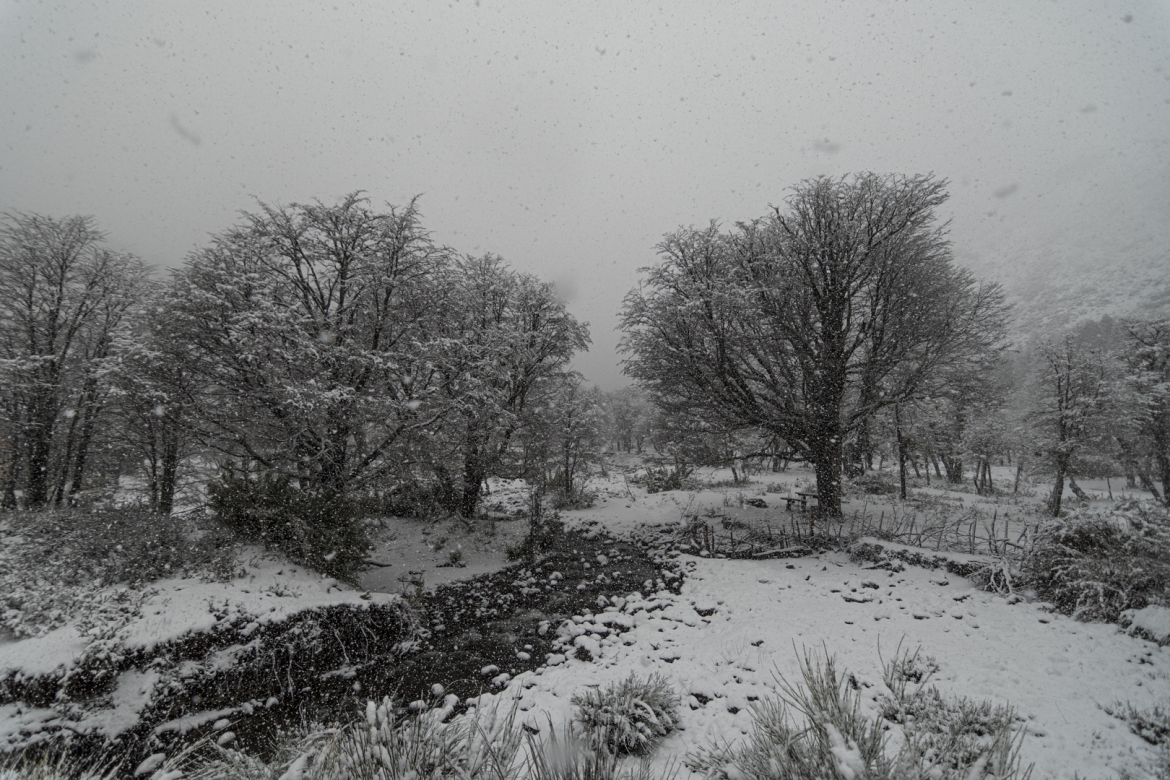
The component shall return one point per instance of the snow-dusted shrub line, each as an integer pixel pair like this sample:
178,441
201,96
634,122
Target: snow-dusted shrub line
660,479
1097,565
816,729
873,552
304,635
1152,724
58,564
240,665
629,716
48,765
391,742
319,530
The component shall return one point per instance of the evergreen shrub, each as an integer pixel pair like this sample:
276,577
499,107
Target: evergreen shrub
320,530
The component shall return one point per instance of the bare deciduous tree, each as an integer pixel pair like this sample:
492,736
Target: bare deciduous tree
305,324
1069,417
809,321
65,296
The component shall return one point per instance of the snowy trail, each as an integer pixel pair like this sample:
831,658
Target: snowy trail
737,624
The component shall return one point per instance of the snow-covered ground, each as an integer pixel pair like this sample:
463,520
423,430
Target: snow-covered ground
736,627
270,591
739,625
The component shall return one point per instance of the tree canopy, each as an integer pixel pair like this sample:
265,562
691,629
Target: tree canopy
808,321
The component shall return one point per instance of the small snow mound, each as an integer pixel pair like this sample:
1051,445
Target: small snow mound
1152,622
846,756
296,770
150,764
587,648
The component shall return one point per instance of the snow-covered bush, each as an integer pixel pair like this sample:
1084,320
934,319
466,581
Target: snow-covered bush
573,756
56,565
1095,565
660,480
544,528
320,531
1152,725
952,733
580,498
873,483
51,765
818,730
387,744
629,716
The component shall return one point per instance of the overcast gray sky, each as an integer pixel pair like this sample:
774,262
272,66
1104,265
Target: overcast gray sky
568,137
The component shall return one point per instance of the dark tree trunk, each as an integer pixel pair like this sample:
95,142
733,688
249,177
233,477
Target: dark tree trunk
861,452
81,457
1162,458
469,496
170,466
63,467
983,476
446,494
827,465
954,466
570,467
901,453
11,477
1057,494
474,472
152,463
40,443
827,459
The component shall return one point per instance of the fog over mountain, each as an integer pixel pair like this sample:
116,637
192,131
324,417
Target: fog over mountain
568,139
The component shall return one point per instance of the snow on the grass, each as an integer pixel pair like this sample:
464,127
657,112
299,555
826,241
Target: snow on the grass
130,697
847,758
150,764
187,723
1153,622
1054,670
17,719
940,555
270,591
296,770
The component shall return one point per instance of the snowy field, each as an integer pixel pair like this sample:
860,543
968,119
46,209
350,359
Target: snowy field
739,625
736,628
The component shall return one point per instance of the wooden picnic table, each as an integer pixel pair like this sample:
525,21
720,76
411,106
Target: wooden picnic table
801,498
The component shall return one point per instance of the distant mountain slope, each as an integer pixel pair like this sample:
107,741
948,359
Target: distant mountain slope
1120,268
1052,292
